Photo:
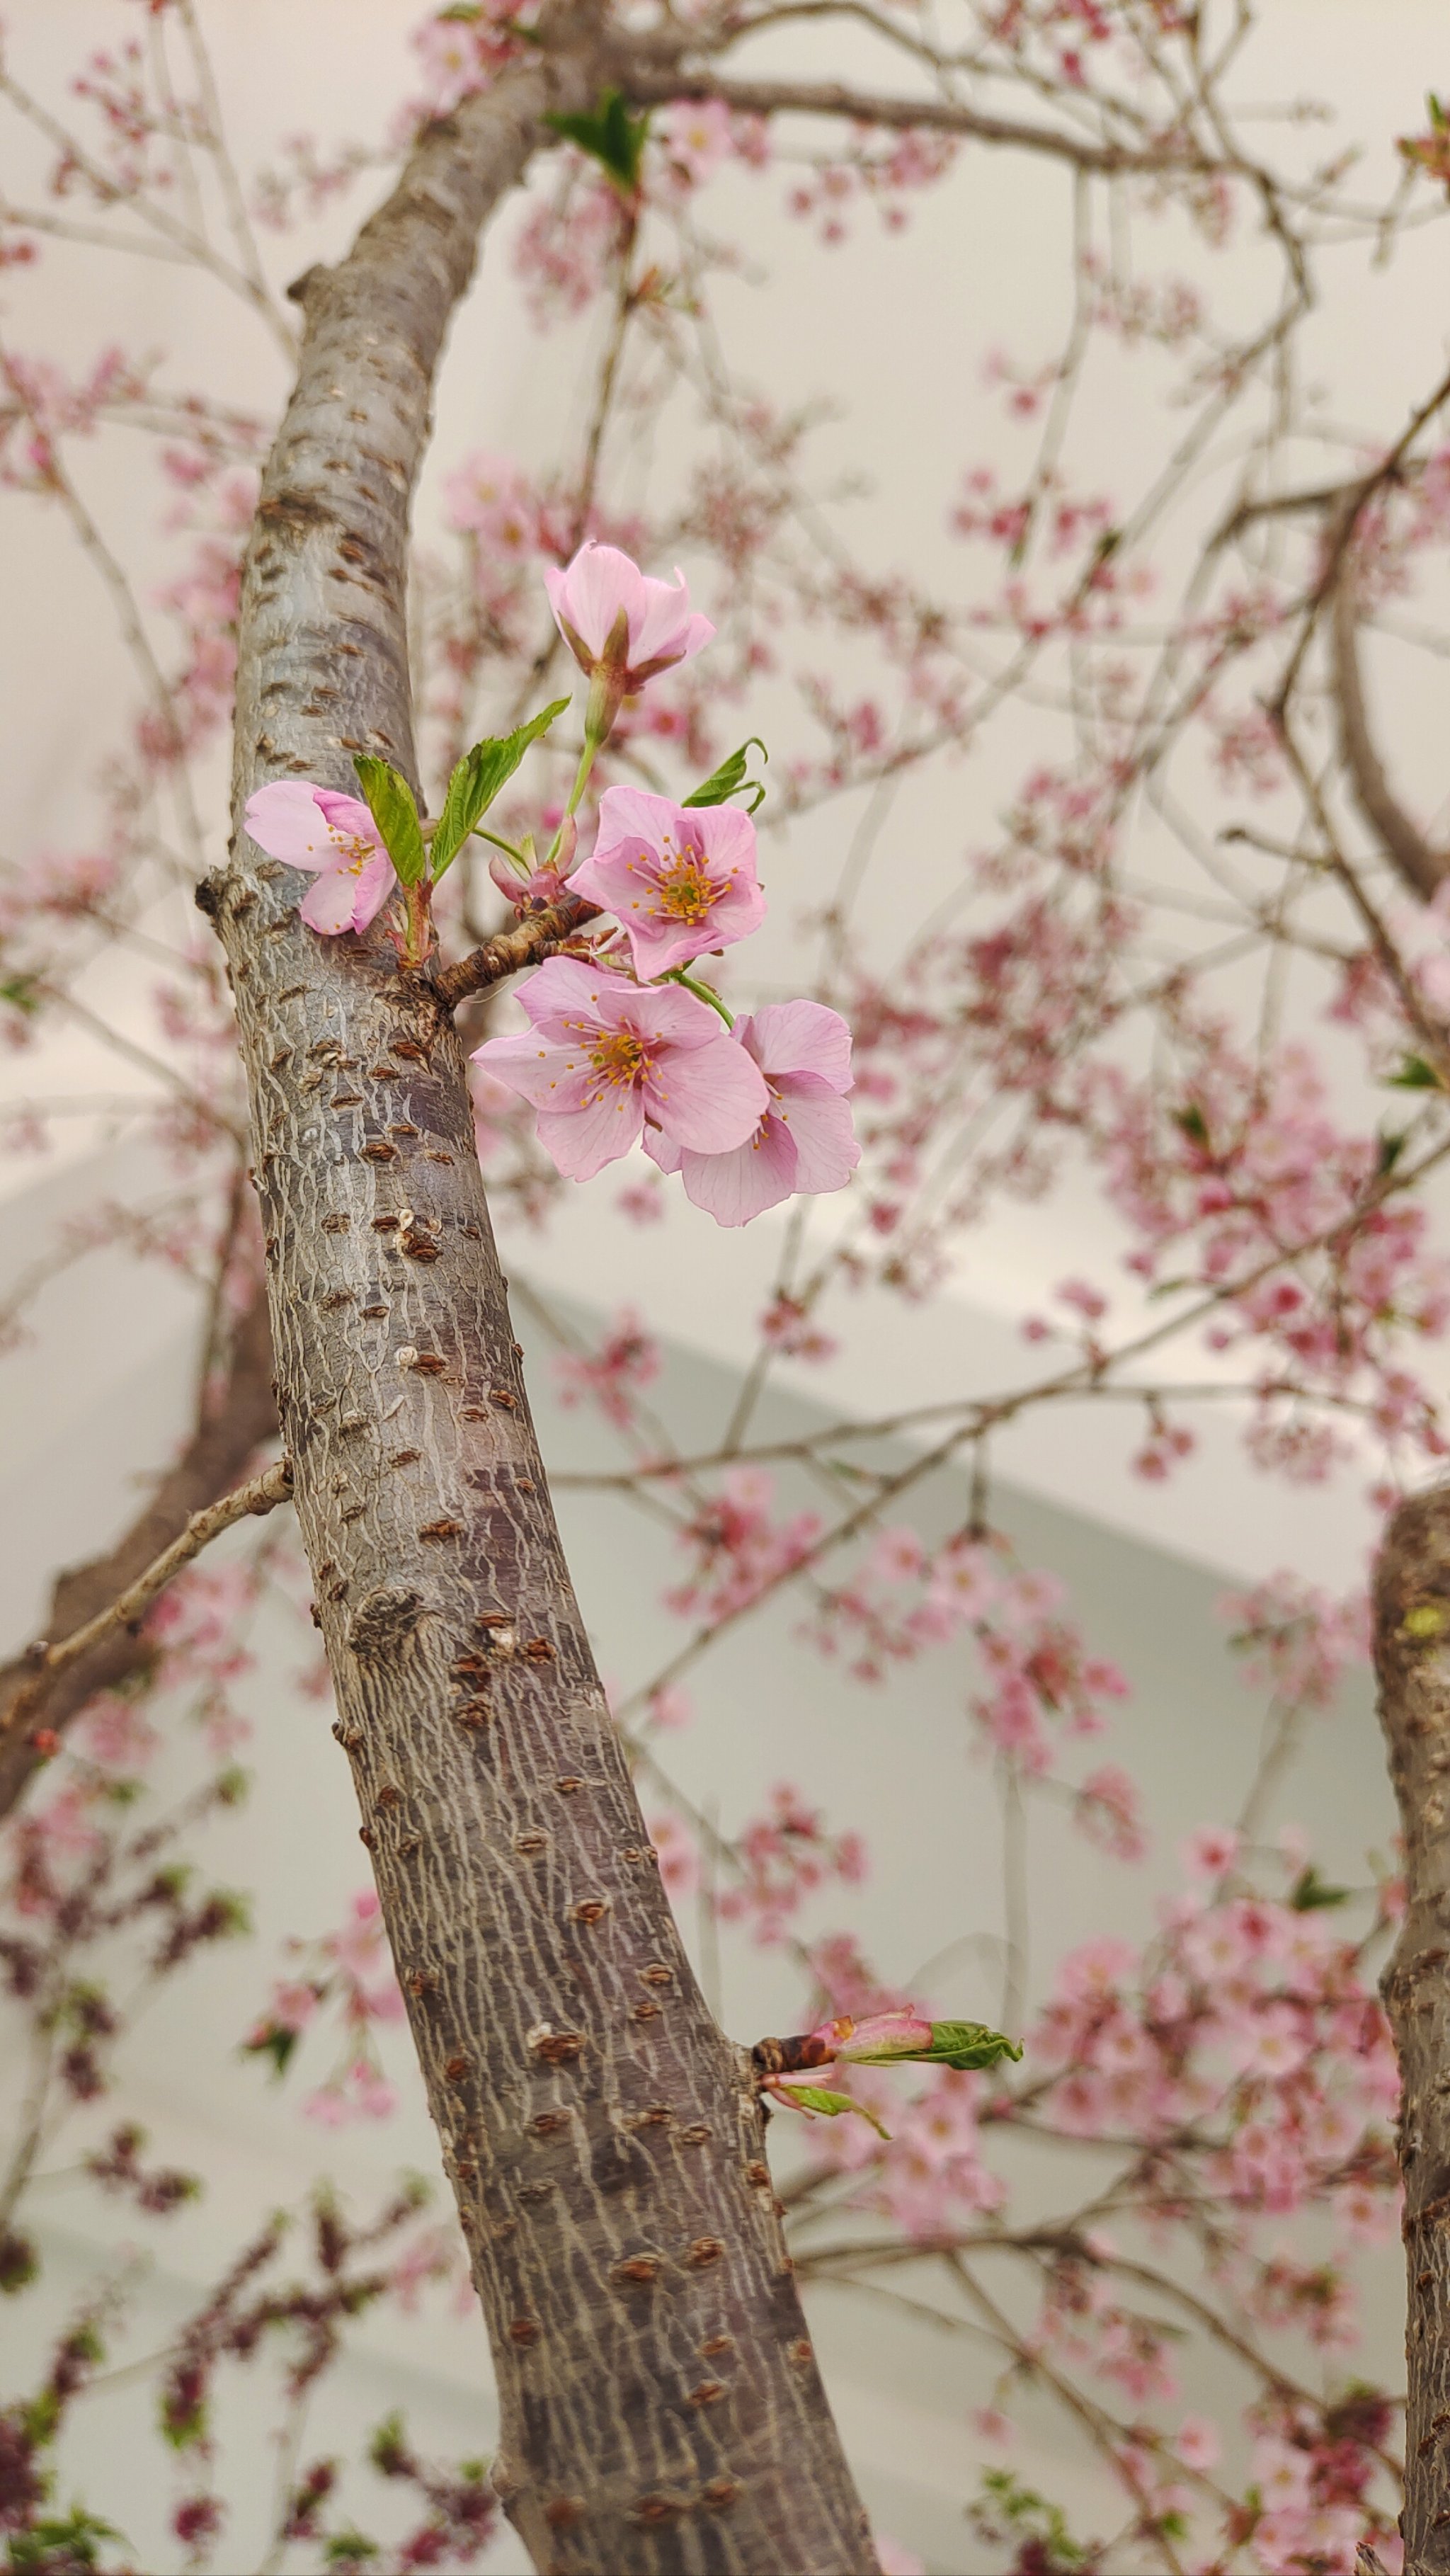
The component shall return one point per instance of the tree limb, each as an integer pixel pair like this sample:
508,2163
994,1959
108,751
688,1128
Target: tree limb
645,84
262,1495
1423,867
531,939
226,1437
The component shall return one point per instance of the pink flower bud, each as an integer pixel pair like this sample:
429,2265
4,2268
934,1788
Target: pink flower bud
621,626
877,2040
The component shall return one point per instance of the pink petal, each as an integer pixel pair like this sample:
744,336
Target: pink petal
825,1143
564,990
287,822
661,625
733,1188
330,903
373,884
549,1077
660,1150
598,584
726,834
800,1037
580,1142
665,1012
657,954
348,815
633,814
709,1099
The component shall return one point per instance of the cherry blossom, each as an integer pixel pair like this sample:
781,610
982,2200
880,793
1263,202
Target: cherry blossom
805,1143
615,618
336,839
603,1056
680,883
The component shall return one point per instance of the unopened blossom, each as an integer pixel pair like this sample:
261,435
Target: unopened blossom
804,1144
332,836
876,2040
679,881
603,1055
614,617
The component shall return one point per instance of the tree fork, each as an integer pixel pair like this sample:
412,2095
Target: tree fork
1412,1659
662,2414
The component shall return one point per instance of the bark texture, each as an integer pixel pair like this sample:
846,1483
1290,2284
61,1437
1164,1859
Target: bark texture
661,2408
1412,1659
214,1458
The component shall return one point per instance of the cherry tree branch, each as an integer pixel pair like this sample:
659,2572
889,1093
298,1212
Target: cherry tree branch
537,936
262,1495
224,1440
646,86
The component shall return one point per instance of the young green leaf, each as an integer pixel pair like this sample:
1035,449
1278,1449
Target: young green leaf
814,2097
611,136
967,2043
390,802
477,780
1415,1075
730,775
1310,1892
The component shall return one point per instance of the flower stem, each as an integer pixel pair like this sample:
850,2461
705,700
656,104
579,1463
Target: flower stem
677,975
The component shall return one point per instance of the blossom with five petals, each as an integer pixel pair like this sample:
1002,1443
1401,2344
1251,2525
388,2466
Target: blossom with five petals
679,881
615,618
332,836
602,1055
805,1142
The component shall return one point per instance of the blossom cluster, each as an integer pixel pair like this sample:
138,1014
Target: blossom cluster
623,1046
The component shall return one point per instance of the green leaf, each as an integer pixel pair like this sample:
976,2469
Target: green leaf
1192,1122
390,802
1415,1075
814,2097
52,2544
20,992
1391,1147
730,775
461,13
1310,1892
353,2548
966,2044
274,2042
611,136
477,780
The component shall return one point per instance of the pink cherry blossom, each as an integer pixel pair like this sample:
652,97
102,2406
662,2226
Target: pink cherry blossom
805,1143
603,1055
680,882
332,836
600,587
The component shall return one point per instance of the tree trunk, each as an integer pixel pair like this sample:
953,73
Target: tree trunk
661,2409
1412,1658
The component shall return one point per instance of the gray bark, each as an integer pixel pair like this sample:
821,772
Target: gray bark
661,2409
1412,1658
